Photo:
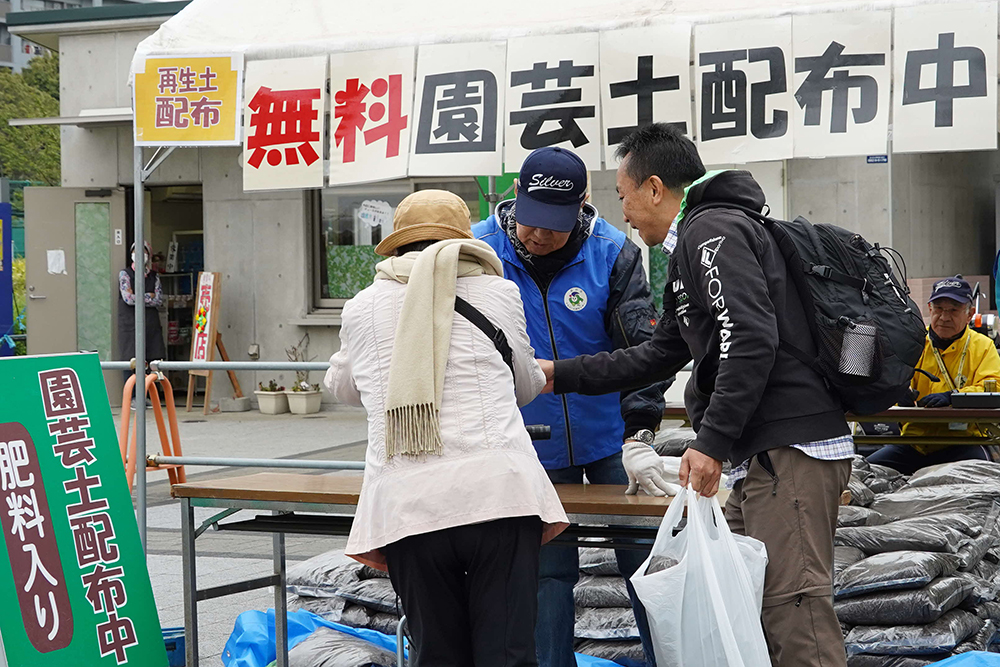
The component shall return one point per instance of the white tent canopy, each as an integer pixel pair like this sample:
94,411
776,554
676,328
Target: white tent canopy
263,29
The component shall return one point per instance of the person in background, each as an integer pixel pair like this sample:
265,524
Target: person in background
152,298
962,360
455,504
584,291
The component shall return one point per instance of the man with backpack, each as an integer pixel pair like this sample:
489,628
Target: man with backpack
728,302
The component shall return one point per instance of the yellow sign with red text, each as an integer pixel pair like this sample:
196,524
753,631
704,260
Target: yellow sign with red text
189,101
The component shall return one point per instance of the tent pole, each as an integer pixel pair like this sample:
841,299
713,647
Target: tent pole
139,289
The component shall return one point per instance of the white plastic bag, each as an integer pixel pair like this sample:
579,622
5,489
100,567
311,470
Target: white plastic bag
705,610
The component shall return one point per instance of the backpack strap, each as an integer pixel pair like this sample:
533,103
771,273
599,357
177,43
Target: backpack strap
494,333
821,270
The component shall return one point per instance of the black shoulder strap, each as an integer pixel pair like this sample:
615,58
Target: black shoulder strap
494,333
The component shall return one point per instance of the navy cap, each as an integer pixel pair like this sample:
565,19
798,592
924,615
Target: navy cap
550,188
955,288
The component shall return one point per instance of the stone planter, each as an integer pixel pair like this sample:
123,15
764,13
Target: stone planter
304,402
272,402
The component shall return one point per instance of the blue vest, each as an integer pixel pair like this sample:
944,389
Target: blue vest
565,322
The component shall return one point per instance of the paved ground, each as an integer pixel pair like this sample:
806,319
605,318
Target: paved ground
336,434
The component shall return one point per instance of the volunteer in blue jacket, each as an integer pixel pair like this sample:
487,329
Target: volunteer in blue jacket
584,291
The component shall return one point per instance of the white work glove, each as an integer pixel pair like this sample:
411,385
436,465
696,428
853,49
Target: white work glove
647,469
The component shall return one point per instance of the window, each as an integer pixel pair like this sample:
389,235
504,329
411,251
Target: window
4,35
344,245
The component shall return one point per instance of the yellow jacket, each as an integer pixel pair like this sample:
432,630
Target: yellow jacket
981,362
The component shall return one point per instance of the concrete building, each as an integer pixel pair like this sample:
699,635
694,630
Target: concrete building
289,260
15,52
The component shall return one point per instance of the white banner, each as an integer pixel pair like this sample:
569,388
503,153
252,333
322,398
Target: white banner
645,78
370,115
744,101
457,128
842,79
553,97
283,117
945,95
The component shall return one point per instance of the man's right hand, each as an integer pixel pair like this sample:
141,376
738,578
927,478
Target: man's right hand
701,471
549,368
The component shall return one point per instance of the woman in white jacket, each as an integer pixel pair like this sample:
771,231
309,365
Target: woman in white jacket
455,504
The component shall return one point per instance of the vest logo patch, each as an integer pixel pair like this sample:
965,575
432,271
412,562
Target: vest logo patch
575,299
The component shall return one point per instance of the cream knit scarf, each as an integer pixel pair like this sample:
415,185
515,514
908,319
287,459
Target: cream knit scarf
423,338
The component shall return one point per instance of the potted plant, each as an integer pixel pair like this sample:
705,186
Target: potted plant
271,399
304,398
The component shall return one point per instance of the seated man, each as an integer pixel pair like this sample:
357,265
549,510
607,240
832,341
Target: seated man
961,359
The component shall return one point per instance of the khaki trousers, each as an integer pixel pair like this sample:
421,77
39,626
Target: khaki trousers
789,501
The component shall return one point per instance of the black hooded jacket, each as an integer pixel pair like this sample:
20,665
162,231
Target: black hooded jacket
727,303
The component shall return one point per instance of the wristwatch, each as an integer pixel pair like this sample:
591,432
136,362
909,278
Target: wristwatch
645,436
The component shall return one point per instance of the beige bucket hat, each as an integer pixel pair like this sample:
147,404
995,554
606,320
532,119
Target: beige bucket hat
427,215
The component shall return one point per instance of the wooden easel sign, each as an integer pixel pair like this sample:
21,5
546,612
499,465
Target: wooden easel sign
204,331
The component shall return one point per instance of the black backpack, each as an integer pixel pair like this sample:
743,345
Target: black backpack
869,334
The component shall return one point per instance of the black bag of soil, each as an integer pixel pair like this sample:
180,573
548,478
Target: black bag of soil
322,575
865,660
944,499
900,537
959,472
941,636
600,562
980,641
892,571
909,607
606,623
329,608
844,557
861,495
376,594
328,648
601,592
673,441
357,616
627,652
852,516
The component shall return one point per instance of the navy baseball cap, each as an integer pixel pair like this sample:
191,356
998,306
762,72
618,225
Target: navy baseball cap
955,288
550,188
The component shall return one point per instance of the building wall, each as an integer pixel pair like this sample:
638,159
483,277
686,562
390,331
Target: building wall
260,245
944,212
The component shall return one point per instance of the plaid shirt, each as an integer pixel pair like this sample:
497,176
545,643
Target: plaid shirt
834,449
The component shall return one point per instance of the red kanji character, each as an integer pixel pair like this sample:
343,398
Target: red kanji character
42,615
168,80
13,457
351,110
187,78
164,112
93,545
61,393
105,591
73,449
205,112
82,484
24,511
115,636
36,567
283,117
207,78
396,123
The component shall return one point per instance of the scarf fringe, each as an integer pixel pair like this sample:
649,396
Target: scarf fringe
412,430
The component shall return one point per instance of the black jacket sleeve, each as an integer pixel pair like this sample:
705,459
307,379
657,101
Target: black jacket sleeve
656,360
630,319
734,291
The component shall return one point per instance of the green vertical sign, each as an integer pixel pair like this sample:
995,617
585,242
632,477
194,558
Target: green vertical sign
73,578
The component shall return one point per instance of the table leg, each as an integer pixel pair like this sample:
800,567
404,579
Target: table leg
401,642
190,584
280,602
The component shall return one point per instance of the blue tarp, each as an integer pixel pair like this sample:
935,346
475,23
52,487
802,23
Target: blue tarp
252,642
971,659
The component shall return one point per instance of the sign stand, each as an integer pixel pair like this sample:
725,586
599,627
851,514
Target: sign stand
206,338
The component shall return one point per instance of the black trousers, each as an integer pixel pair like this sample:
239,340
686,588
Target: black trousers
470,594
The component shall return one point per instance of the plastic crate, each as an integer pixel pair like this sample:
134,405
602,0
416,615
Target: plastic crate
173,641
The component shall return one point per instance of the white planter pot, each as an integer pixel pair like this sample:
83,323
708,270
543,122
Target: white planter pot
304,402
272,402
